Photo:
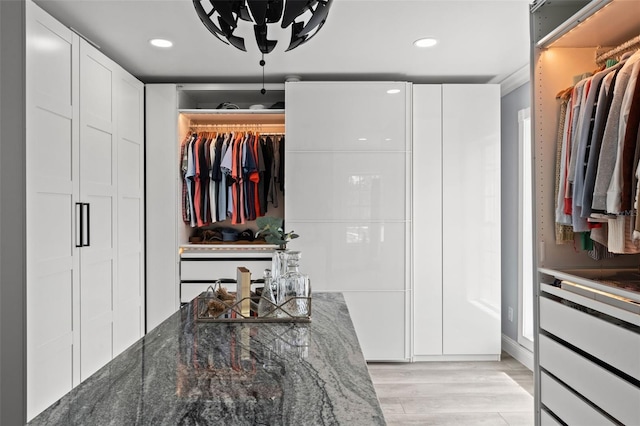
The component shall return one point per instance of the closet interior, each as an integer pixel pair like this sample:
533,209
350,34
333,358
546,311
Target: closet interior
231,121
585,130
231,172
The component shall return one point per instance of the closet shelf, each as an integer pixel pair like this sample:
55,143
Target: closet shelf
598,24
231,111
233,116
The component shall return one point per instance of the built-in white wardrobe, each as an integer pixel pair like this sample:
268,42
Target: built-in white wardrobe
394,191
85,209
456,222
348,162
587,324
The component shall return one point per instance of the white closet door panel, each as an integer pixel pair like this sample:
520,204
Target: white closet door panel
130,108
352,256
53,230
128,293
52,190
346,186
97,277
53,300
471,219
96,344
46,383
379,319
96,80
98,188
162,296
97,156
129,167
427,219
128,322
53,148
49,61
130,226
346,116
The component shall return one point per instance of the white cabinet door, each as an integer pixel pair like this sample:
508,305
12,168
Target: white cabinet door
471,219
427,219
162,190
98,190
128,321
346,165
52,189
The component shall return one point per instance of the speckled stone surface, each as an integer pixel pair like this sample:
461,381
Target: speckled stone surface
188,373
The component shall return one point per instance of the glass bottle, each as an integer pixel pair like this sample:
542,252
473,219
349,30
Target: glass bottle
279,264
294,289
267,302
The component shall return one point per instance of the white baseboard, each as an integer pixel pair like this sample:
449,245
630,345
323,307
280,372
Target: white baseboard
519,352
437,358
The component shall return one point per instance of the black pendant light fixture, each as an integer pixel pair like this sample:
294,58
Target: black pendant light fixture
223,18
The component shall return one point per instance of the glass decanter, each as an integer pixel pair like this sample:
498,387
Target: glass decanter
294,289
267,302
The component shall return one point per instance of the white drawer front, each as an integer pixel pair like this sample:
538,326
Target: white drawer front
595,336
212,270
612,394
567,406
547,420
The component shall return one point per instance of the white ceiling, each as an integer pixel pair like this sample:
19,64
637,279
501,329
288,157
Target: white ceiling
479,41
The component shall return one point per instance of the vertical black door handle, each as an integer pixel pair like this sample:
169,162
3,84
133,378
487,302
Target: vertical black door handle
79,224
86,242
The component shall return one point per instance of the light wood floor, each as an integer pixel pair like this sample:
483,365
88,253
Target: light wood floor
455,393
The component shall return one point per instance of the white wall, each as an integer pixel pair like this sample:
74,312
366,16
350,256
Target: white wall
510,105
12,214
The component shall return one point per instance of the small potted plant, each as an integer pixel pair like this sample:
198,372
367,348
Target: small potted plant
271,228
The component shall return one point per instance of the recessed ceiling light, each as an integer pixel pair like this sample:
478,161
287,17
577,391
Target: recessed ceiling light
425,42
393,91
160,42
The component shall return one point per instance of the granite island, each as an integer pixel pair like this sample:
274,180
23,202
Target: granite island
191,373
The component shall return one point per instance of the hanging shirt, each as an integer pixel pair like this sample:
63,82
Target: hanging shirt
189,176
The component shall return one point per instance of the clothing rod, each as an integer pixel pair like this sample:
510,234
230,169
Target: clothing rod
243,125
632,44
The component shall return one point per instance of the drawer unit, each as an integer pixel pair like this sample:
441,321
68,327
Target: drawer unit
599,337
198,270
611,393
201,268
568,406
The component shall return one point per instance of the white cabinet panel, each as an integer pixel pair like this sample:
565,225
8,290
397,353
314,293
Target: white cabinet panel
161,156
471,219
427,219
352,256
378,318
343,186
346,116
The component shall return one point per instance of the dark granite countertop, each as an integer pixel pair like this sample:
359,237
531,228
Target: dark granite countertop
188,373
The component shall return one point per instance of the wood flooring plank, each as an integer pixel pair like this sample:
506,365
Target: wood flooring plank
468,403
519,419
447,419
408,390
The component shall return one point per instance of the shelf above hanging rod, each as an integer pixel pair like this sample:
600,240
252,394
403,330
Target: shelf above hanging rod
630,45
273,116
